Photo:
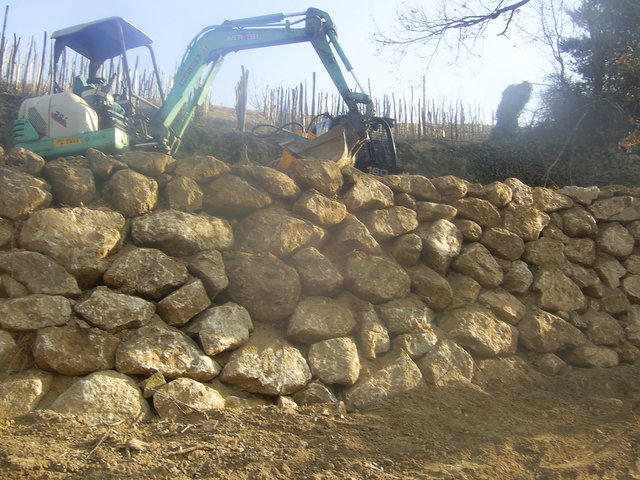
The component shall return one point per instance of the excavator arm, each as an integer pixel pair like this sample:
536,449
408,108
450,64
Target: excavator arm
206,53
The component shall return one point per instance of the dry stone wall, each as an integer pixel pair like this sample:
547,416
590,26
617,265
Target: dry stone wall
141,285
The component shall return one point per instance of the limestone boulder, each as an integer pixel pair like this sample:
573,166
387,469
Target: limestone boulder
466,289
277,184
579,222
631,286
318,318
544,332
481,211
406,249
267,365
585,196
184,396
521,194
184,193
366,193
446,363
79,239
406,315
616,209
417,186
320,175
609,269
430,286
314,393
603,329
498,193
450,187
73,351
544,251
525,221
11,288
430,211
477,329
632,264
221,328
21,193
504,305
590,355
103,165
183,304
21,393
335,361
557,291
471,231
152,349
389,223
201,168
373,335
319,209
181,233
395,374
34,312
266,286
477,262
72,182
503,243
105,397
441,243
319,276
131,193
229,195
24,160
351,235
15,354
147,272
209,267
375,279
7,234
151,164
38,273
614,301
581,251
113,311
613,239
274,231
547,200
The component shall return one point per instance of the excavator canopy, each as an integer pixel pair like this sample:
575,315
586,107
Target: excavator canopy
100,40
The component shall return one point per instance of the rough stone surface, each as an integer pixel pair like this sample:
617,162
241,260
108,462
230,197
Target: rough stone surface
352,235
72,182
503,243
110,310
201,168
314,393
322,176
21,393
21,193
335,361
132,193
183,304
38,273
230,195
34,312
184,396
406,315
616,209
373,335
450,187
430,211
525,221
406,249
181,233
104,397
544,332
151,164
318,318
557,291
476,261
277,184
431,286
442,242
319,209
603,329
152,349
446,363
386,224
319,276
504,305
209,268
615,240
578,222
483,212
589,355
184,193
366,193
547,200
375,279
415,185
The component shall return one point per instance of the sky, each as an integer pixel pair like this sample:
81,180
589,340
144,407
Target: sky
474,80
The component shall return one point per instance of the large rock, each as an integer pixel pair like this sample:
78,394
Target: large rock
318,318
615,240
476,261
503,243
20,394
441,243
590,355
110,310
446,363
266,286
34,312
104,397
319,209
74,351
396,374
498,193
466,289
184,193
581,251
318,275
72,182
21,193
268,365
631,286
544,332
132,193
271,230
416,185
38,273
477,329
183,304
209,268
521,193
603,329
375,279
314,393
582,195
578,222
406,249
386,224
504,305
181,233
545,251
24,160
471,231
450,187
547,200
166,350
15,355
366,193
335,361
373,335
202,168
431,286
145,271
525,221
406,315
416,344
609,269
277,184
616,209
557,291
79,239
221,328
184,396
481,211
230,195
351,235
429,211
151,164
323,176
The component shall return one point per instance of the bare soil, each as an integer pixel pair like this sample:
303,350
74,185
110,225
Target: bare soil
514,423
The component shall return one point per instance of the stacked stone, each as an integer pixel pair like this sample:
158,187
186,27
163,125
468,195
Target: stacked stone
189,285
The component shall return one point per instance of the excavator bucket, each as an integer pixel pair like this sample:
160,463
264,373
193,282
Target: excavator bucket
331,146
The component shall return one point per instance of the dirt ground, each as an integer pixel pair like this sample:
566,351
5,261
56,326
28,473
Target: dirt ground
514,423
